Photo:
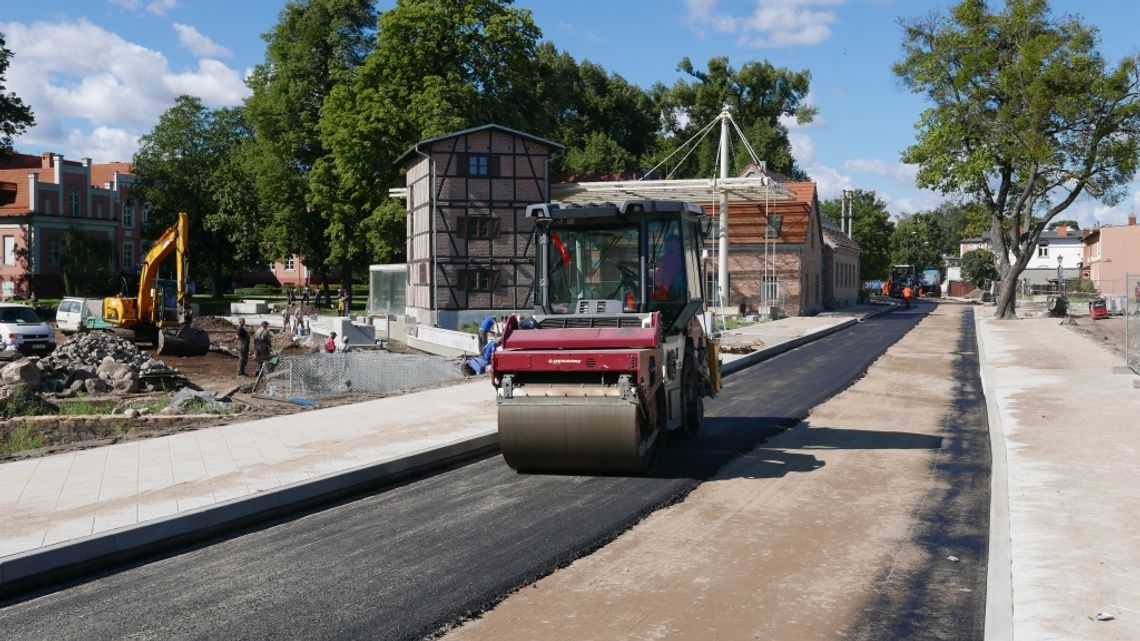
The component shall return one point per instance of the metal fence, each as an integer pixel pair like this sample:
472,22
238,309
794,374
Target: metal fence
1132,322
319,375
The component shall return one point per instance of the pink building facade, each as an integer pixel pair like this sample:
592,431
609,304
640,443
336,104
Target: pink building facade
42,198
1110,254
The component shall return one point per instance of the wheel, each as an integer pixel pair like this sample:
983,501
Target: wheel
692,403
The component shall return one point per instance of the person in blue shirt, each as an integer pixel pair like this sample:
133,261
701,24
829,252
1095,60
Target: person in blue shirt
485,328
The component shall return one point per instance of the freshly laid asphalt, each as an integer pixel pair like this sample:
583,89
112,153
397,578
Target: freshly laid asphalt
405,562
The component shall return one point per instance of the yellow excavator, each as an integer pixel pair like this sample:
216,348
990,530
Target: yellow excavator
161,312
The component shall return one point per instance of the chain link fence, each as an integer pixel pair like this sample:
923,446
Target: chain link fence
370,372
1132,321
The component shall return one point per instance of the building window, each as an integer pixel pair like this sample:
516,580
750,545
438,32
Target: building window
53,252
128,214
128,257
73,201
289,264
772,229
47,206
478,227
145,217
479,280
1043,249
9,250
481,166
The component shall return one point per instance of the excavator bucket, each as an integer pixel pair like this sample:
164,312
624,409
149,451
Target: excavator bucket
185,341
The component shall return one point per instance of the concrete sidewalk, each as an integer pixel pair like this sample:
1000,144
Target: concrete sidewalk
79,506
1065,436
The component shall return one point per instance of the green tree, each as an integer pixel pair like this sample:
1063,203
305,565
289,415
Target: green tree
872,229
979,266
314,45
15,116
1025,119
606,123
758,95
87,264
918,240
1070,223
187,163
438,66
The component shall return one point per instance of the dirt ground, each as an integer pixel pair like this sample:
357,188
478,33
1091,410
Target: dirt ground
1108,332
795,540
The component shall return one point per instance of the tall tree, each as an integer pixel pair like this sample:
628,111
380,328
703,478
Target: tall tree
1025,119
438,66
15,116
872,229
314,45
88,264
919,240
758,95
607,123
186,164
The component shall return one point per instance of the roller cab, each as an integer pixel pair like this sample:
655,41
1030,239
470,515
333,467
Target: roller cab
616,353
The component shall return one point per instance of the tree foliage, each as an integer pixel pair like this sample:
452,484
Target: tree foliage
438,66
315,45
979,266
191,162
88,264
758,95
15,116
872,229
1025,118
1070,223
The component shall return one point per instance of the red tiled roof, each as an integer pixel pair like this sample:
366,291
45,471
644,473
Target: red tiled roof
746,220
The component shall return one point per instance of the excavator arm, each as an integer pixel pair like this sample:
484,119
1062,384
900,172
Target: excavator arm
174,239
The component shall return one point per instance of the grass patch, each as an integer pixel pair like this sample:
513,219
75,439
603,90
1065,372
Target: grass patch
84,407
18,439
735,322
151,405
21,403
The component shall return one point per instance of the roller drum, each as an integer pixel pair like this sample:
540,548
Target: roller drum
575,434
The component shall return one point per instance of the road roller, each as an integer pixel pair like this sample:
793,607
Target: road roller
618,352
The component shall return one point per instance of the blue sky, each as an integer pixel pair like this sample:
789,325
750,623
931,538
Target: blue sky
99,72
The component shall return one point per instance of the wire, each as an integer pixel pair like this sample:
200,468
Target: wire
700,134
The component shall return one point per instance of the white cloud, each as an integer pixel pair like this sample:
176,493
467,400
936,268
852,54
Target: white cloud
97,95
157,7
901,173
198,44
773,23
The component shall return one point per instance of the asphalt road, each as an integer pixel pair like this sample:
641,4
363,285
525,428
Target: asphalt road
407,561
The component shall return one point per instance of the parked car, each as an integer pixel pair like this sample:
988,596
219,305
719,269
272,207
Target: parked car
21,330
77,314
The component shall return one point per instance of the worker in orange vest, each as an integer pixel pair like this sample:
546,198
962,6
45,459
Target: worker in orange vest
907,293
886,288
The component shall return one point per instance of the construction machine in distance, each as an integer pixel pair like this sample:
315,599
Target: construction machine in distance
618,351
160,313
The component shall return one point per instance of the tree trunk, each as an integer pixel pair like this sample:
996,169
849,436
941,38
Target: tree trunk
1006,299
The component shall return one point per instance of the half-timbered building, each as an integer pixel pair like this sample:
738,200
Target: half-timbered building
470,246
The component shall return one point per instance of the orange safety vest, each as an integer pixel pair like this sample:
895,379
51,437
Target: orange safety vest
906,292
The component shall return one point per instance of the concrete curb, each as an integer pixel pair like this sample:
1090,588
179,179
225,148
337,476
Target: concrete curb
24,572
38,568
999,570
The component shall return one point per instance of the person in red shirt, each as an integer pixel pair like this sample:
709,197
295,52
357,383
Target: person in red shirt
330,343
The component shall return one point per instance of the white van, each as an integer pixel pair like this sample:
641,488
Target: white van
72,313
22,330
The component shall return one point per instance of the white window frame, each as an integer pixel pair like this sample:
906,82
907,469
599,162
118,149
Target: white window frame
128,214
73,201
290,264
9,249
128,257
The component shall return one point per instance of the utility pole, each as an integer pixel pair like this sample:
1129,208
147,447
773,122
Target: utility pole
722,250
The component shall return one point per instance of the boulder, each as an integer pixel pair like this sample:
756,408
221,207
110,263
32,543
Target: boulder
96,386
22,372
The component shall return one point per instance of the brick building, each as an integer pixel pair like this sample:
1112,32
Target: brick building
42,198
469,241
775,251
841,257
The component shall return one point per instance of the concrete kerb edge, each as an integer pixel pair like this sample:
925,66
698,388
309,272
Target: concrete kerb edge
999,570
39,568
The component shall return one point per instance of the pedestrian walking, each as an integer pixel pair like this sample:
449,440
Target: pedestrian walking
330,343
262,345
289,297
344,345
340,302
242,338
299,321
305,296
285,316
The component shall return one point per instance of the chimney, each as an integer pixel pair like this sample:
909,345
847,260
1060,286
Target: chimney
1132,218
1062,231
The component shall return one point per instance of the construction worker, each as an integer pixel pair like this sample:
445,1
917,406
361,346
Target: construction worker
907,293
887,288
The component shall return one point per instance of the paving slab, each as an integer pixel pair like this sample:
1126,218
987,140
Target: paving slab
1070,434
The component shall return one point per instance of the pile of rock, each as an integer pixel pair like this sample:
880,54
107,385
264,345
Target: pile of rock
89,363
